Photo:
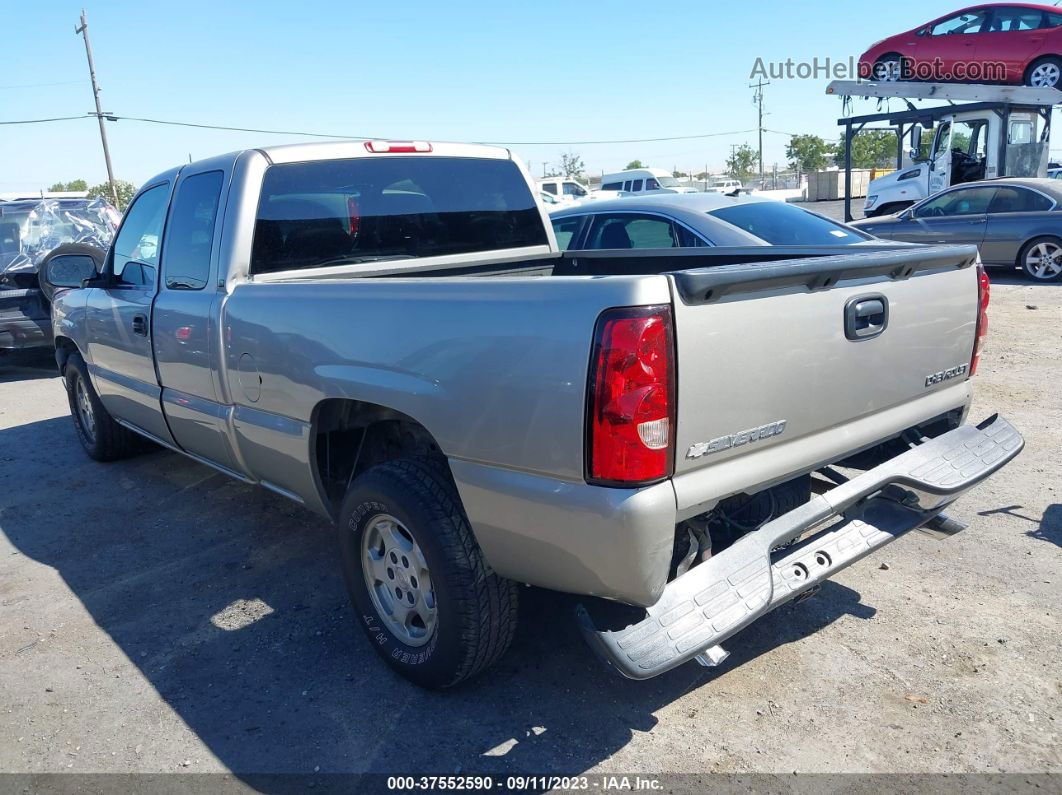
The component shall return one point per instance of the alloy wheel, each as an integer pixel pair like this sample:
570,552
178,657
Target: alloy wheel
397,578
1044,261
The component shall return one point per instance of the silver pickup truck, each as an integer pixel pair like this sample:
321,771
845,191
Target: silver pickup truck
388,334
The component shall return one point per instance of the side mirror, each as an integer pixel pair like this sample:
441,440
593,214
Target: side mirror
66,271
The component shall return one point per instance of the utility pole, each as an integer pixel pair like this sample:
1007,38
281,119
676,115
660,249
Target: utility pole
758,99
83,31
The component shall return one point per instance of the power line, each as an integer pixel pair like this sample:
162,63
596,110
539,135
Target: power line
41,121
246,129
198,125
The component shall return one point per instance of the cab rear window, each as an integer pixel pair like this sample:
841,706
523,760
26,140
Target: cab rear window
339,212
781,224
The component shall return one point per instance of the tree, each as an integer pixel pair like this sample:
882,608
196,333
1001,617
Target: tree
742,162
72,185
808,153
678,174
126,191
870,149
634,164
571,165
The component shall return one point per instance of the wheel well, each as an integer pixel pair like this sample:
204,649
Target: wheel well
1020,259
351,436
64,349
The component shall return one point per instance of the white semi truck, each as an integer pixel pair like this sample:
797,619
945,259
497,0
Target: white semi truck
985,132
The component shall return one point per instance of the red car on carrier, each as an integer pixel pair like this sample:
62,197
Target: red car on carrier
1017,43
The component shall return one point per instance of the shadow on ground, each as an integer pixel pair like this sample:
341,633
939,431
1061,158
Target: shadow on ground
26,366
161,551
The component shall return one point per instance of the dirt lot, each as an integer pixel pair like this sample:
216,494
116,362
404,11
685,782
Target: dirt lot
156,616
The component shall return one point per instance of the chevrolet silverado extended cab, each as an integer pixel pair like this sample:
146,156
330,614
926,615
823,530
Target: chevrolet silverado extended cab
387,333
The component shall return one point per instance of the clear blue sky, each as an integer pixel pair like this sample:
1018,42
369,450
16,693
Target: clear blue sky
462,71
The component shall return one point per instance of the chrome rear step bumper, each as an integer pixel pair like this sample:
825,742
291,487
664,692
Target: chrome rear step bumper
729,591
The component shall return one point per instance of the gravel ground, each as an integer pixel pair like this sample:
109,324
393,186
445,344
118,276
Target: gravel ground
158,617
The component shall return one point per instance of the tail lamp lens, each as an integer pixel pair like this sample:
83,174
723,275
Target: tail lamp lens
983,291
631,421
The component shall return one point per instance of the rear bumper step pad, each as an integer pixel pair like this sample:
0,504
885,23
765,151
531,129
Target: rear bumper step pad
729,591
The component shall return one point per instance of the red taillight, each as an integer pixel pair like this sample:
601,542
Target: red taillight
631,406
383,147
983,290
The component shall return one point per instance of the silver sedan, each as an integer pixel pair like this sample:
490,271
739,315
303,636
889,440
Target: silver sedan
1014,222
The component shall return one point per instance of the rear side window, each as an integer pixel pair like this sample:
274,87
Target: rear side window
1019,200
782,224
628,230
636,185
338,212
549,187
190,233
612,186
565,230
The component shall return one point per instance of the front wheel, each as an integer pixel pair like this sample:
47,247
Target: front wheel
422,591
1041,259
888,69
102,437
1045,73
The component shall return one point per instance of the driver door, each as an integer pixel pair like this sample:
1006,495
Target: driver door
940,165
118,318
957,216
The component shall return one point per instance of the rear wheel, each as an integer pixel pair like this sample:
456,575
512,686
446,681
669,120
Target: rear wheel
1045,73
102,437
423,592
1041,259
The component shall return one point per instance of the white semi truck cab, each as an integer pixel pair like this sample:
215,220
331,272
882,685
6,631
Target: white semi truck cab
986,132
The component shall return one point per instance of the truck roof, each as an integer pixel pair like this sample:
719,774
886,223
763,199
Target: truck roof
339,150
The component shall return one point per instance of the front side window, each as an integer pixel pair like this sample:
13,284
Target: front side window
967,201
651,184
574,189
136,248
341,212
1019,200
966,22
190,234
630,230
783,224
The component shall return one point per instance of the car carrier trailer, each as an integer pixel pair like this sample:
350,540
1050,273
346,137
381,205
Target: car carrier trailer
1009,136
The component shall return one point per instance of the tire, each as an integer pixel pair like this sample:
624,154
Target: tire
1041,259
888,69
402,519
1045,73
102,437
97,254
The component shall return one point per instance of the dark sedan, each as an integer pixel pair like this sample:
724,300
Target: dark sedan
1014,222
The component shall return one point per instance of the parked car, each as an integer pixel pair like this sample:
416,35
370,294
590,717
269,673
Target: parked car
966,46
30,229
696,220
1014,222
643,180
565,190
388,334
728,187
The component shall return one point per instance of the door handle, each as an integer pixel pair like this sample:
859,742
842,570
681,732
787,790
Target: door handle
140,325
865,316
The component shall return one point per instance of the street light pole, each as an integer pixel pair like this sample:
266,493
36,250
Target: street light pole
83,31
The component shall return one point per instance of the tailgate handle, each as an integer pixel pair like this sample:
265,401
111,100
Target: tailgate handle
865,316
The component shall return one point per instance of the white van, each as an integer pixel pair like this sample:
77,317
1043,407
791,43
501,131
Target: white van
565,189
643,180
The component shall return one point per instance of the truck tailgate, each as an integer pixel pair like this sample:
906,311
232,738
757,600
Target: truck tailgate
771,352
